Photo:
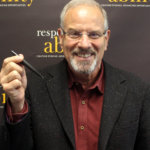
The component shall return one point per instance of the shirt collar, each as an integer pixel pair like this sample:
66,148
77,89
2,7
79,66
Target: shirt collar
99,83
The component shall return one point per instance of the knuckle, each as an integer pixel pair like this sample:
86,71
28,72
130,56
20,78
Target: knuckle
14,73
17,82
11,64
5,61
21,70
2,79
5,88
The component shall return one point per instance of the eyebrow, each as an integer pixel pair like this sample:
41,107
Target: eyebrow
72,29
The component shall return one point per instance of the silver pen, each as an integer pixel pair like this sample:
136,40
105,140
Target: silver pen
28,65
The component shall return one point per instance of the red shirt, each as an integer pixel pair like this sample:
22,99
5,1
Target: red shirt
86,110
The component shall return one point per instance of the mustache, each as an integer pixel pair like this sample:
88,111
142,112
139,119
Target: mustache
84,51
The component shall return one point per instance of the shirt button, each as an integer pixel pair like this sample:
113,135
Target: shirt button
82,127
83,102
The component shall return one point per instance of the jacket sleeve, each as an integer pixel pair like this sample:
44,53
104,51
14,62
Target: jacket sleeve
17,136
20,134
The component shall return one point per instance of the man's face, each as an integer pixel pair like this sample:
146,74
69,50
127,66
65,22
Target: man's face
84,53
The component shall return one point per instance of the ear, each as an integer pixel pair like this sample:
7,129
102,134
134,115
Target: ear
107,36
60,34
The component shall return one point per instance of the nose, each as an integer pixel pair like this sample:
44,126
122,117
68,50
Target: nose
84,42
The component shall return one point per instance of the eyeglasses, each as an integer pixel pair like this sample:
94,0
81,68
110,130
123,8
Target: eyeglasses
76,35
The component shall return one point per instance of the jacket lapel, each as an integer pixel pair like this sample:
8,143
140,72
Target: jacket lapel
114,94
59,93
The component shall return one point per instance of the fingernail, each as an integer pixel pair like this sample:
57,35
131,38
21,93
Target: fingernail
21,55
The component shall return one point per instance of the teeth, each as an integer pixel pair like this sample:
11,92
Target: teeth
84,55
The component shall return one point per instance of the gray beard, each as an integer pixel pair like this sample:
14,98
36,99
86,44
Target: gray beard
80,67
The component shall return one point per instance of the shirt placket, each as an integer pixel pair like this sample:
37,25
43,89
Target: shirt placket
82,120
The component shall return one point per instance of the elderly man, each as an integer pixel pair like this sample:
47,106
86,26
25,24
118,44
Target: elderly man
82,103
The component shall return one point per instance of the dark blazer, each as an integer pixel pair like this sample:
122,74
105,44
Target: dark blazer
125,122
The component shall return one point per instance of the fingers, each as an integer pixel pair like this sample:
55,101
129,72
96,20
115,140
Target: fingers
14,84
11,76
15,59
10,67
11,70
13,80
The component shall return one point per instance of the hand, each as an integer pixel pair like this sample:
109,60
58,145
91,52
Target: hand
14,81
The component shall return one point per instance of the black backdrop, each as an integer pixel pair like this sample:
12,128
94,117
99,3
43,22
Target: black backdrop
32,30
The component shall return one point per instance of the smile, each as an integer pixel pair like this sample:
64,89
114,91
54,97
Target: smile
84,55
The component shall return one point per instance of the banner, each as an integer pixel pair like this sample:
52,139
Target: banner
30,27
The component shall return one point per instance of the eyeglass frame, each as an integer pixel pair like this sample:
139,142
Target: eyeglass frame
81,34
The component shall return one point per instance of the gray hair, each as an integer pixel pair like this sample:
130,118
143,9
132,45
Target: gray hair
74,3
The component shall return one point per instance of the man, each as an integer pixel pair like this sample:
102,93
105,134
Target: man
83,103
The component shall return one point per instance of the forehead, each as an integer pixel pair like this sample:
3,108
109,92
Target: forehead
84,17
